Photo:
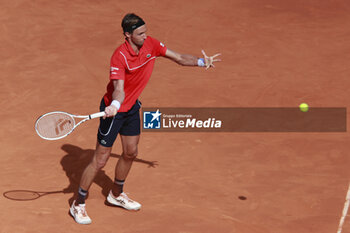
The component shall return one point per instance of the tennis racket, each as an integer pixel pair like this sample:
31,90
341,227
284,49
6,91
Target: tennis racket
57,125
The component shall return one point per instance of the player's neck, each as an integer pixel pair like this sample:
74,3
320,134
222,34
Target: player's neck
134,47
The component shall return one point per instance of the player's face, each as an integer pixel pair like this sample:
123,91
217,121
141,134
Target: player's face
139,36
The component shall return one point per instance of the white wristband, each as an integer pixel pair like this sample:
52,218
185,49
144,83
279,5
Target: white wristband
116,104
201,62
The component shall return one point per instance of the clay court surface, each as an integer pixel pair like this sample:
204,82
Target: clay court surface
276,53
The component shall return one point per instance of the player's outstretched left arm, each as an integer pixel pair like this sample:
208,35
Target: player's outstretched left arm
190,60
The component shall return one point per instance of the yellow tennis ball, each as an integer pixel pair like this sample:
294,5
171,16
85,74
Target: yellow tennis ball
304,107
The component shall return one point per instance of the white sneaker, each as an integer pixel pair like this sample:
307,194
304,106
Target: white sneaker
124,201
79,214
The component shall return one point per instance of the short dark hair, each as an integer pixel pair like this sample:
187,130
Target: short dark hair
131,21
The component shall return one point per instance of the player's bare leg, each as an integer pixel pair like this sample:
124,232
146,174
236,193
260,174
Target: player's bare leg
99,160
129,144
117,196
78,210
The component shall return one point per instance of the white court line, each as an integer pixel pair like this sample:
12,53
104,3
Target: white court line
345,211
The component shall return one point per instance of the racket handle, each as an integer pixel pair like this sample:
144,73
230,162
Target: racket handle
96,115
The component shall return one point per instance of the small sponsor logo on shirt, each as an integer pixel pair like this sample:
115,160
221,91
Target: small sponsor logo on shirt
113,70
148,55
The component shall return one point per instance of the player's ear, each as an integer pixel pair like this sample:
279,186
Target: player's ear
127,34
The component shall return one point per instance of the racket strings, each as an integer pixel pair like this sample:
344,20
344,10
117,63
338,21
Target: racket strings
55,125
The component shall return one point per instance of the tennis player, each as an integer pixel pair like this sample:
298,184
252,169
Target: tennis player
131,67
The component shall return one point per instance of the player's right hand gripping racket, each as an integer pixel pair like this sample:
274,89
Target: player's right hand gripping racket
57,125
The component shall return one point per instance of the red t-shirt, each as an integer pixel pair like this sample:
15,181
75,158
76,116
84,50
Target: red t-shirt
134,69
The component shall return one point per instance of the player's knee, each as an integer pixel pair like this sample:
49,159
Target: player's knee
101,163
130,154
98,164
100,160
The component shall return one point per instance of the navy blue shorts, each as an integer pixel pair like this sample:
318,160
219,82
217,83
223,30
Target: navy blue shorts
124,123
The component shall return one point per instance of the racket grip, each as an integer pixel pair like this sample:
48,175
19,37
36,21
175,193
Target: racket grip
96,115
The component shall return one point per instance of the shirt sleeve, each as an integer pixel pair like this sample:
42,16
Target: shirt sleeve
159,47
117,70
